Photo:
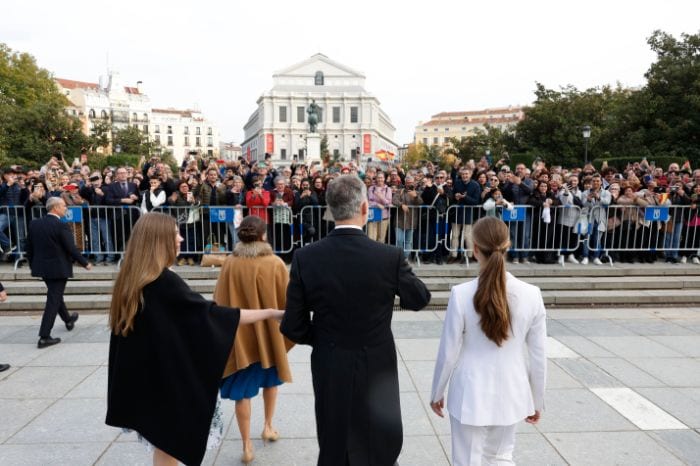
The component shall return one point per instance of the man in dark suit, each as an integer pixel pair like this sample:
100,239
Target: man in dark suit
51,251
121,192
349,282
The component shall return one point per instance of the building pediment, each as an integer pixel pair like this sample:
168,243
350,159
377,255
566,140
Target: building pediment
315,63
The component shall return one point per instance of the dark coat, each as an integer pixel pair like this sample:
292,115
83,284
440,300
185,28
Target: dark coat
51,249
114,193
353,362
164,376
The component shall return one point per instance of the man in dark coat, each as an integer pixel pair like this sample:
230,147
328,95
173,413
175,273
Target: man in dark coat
51,251
121,192
353,362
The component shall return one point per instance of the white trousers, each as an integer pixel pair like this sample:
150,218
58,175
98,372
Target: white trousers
482,445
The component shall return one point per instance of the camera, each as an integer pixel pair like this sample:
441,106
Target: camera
674,189
94,178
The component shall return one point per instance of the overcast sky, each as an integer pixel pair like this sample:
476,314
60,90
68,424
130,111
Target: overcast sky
420,58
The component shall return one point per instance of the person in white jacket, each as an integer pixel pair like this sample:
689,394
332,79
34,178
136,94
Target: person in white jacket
492,387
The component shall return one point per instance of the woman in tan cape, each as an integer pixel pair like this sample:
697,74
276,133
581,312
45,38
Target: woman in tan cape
254,277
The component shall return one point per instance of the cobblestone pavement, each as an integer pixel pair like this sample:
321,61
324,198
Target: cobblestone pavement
623,388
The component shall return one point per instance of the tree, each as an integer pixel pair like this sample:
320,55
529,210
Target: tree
33,122
100,135
132,141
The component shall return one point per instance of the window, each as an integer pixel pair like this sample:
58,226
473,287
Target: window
145,117
186,130
447,129
435,140
210,141
301,113
103,115
209,133
170,129
198,131
425,129
318,78
157,129
283,154
157,138
447,140
136,126
210,153
425,141
187,141
320,114
145,129
283,114
336,153
134,116
336,114
91,113
301,154
353,114
198,141
354,153
170,140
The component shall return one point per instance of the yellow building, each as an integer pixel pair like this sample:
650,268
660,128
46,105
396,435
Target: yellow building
447,125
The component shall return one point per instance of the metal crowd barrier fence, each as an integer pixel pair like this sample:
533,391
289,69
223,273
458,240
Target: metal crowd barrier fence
212,229
618,232
630,233
100,232
13,233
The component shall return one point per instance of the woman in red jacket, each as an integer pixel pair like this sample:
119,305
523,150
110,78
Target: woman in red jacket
257,200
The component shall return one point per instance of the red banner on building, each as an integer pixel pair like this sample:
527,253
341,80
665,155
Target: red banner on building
247,153
269,143
367,144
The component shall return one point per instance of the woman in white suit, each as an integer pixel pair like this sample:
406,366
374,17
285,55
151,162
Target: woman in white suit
489,321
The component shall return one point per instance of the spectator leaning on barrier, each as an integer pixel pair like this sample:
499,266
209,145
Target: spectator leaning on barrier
596,200
282,200
466,194
185,207
379,196
12,227
101,244
407,202
305,204
674,227
154,196
517,189
570,198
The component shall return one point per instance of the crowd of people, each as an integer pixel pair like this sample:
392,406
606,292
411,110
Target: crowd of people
578,214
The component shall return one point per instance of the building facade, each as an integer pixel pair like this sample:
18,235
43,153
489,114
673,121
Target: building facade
447,125
350,117
111,101
230,150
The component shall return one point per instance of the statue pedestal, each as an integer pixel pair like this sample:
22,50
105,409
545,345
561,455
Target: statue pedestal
313,147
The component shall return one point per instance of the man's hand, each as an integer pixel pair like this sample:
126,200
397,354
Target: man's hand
437,406
88,266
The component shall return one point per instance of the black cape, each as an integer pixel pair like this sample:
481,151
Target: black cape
349,282
164,376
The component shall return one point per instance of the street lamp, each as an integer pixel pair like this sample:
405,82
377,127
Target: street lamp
586,137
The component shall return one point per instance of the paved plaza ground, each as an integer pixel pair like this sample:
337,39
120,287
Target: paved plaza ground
623,389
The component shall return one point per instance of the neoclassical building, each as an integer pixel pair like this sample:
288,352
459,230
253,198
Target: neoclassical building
350,117
447,125
112,101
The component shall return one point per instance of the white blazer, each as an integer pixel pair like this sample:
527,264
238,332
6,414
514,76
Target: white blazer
491,385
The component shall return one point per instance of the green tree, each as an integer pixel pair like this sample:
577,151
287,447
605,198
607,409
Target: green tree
33,122
132,141
100,135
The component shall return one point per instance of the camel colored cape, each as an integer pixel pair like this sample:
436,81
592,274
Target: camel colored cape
254,278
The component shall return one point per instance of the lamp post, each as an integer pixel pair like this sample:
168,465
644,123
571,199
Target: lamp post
586,137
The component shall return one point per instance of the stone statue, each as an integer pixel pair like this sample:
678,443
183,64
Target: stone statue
313,112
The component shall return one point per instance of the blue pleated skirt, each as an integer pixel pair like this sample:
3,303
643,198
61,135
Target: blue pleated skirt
247,382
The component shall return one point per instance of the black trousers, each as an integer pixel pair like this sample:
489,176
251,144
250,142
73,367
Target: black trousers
54,305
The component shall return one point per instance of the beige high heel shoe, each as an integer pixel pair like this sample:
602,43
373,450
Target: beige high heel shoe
248,454
269,435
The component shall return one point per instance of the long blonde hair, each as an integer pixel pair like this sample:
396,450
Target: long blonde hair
491,236
149,251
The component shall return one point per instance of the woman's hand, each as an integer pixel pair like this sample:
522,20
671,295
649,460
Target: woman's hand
437,406
534,419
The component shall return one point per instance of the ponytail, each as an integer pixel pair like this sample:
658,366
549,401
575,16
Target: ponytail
490,300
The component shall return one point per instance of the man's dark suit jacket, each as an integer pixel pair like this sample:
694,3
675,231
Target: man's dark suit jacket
114,193
349,282
51,249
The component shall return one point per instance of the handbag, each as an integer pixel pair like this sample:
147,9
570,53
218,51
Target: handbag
582,226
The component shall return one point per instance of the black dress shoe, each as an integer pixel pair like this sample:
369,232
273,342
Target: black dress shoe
70,323
48,341
4,367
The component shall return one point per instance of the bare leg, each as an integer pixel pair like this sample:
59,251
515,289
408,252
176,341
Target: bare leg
161,458
243,419
270,399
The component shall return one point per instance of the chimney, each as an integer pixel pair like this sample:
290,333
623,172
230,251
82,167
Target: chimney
139,86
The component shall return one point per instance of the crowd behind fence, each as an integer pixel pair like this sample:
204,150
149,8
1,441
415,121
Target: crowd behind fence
546,235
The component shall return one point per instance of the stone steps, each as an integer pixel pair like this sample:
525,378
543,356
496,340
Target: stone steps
575,285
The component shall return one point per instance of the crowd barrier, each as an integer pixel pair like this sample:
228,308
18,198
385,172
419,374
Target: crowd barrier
618,232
